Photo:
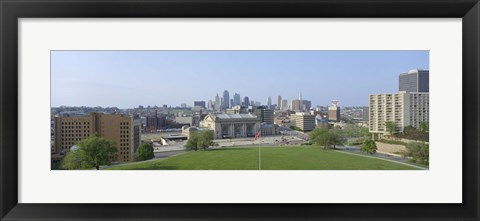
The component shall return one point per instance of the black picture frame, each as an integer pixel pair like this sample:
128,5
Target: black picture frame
12,10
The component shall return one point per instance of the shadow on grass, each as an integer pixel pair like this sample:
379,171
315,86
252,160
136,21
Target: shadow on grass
229,148
149,168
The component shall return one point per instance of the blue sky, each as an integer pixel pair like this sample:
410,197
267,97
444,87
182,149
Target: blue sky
130,78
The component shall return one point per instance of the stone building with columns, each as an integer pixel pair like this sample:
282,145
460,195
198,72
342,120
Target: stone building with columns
232,125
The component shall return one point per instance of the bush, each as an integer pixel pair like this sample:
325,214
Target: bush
144,152
369,146
308,143
419,152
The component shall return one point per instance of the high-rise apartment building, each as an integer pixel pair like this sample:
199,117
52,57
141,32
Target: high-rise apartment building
403,108
123,130
414,81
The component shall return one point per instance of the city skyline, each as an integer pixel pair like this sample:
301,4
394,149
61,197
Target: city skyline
127,79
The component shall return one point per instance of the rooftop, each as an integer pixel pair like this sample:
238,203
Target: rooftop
235,116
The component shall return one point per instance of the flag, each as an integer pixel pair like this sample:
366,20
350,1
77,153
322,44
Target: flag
257,135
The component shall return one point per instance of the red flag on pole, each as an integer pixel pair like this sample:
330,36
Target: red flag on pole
257,135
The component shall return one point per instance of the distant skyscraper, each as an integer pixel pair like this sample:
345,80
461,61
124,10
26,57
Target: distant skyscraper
246,101
231,102
210,104
279,102
236,99
306,105
269,102
301,102
252,103
199,104
284,105
295,105
414,81
226,100
217,103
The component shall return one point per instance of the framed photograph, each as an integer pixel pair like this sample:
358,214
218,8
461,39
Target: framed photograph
230,110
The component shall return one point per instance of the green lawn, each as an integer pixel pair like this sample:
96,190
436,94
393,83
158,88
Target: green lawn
273,158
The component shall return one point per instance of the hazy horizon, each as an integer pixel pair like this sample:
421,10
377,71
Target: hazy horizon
126,79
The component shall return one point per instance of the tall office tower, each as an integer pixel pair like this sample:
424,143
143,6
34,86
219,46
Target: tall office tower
210,104
279,102
403,108
231,103
414,81
284,105
217,103
301,102
246,101
269,102
334,112
199,104
306,105
252,103
226,100
237,99
295,105
123,130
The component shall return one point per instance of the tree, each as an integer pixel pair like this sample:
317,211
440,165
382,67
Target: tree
424,126
144,152
337,136
322,137
92,152
390,126
200,139
71,161
419,152
369,146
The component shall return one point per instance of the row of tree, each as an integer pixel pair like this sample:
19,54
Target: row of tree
390,126
94,152
329,138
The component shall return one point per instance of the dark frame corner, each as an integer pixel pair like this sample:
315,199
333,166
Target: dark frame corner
12,10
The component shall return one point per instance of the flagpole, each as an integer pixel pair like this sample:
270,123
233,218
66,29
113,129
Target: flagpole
259,154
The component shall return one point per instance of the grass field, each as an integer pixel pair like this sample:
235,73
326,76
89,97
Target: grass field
273,158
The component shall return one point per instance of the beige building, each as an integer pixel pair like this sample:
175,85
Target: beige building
304,121
123,130
231,125
403,108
